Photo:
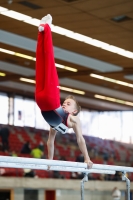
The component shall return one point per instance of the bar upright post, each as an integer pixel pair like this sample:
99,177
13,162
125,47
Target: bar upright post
85,179
124,178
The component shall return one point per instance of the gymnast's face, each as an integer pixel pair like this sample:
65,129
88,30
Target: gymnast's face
69,106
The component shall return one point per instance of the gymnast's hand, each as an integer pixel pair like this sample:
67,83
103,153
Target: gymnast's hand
89,163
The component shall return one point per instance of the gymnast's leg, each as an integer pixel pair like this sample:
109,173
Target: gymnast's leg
47,93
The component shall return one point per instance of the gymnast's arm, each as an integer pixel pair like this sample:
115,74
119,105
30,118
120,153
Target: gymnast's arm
74,122
50,143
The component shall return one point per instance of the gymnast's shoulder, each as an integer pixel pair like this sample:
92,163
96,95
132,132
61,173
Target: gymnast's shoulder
72,121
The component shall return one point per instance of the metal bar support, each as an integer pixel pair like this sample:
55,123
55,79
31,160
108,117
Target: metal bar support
124,178
85,179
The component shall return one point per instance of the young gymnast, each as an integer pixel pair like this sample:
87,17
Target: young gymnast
47,93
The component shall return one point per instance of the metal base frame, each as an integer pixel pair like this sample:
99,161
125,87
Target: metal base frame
124,178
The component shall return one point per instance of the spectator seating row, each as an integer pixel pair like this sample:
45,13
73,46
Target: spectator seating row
65,146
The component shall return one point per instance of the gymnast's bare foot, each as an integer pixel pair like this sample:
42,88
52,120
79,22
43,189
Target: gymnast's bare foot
89,163
45,20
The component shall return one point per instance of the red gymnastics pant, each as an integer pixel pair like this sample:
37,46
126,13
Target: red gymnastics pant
47,93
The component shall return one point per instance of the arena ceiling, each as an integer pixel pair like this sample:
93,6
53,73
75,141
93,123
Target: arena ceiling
95,37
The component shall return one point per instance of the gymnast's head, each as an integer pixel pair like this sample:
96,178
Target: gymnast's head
70,105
